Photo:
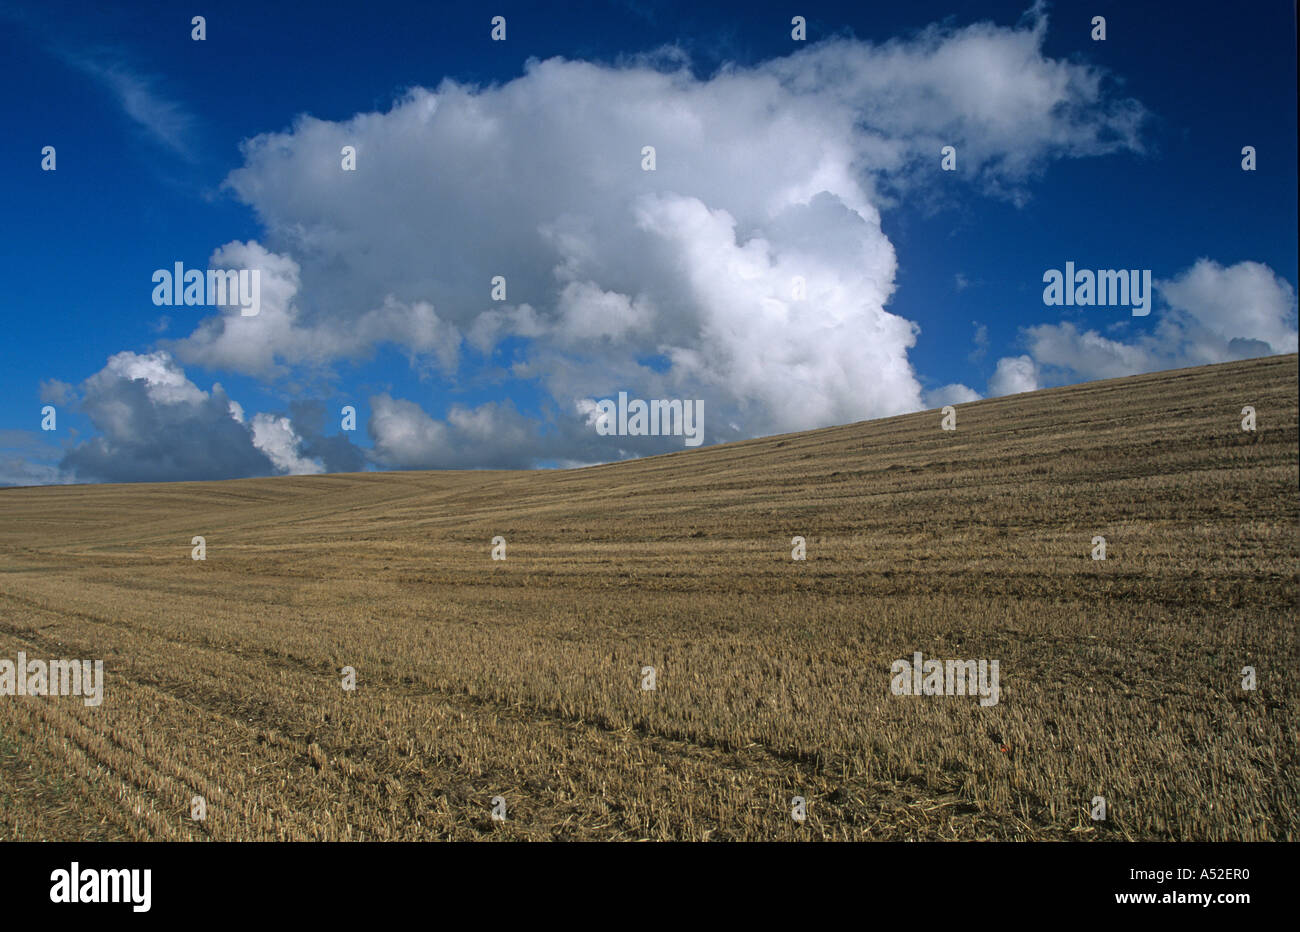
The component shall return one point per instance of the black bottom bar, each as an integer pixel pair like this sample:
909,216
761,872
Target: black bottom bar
648,882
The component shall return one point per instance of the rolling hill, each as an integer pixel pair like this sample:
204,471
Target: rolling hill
523,678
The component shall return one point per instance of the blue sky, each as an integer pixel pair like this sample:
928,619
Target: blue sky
775,158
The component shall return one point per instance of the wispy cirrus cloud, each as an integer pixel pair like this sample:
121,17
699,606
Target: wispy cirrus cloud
166,121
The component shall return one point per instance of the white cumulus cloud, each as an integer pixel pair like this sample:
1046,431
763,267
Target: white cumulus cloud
155,424
276,437
1210,313
749,270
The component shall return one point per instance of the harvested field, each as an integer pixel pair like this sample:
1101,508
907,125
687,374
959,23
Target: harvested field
522,678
